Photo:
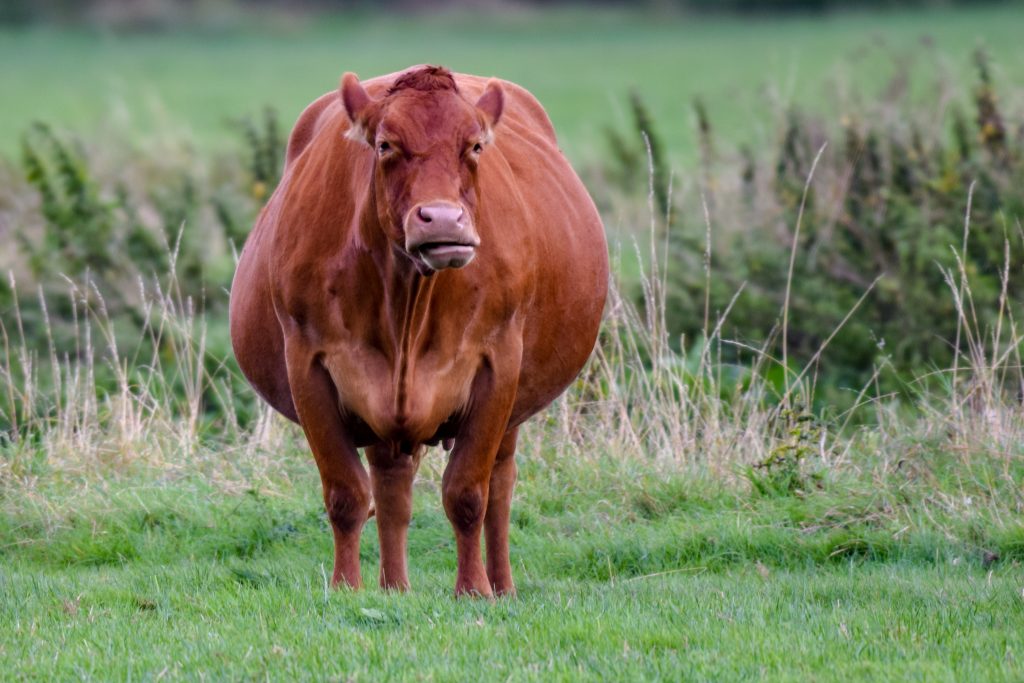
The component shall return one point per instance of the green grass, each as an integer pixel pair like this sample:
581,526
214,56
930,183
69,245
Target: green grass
581,65
884,622
623,574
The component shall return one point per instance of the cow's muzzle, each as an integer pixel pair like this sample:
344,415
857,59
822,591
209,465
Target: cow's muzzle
441,235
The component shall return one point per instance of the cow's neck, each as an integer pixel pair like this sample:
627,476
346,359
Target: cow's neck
406,299
408,333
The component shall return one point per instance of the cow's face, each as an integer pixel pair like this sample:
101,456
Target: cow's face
427,141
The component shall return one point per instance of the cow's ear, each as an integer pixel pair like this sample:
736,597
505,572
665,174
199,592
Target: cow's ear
357,103
492,102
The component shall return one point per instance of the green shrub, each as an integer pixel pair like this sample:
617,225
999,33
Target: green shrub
888,202
143,238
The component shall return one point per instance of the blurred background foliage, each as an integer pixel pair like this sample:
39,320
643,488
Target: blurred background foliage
162,14
884,194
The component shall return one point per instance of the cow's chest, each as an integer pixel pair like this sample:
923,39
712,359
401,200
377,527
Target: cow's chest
404,394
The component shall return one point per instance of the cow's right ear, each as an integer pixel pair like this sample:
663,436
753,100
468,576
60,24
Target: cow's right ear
357,104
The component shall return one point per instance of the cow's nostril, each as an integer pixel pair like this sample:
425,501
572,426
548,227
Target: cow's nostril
423,214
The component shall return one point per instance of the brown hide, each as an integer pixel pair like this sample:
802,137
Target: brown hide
341,326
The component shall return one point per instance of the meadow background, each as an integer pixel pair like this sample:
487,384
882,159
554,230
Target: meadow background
795,454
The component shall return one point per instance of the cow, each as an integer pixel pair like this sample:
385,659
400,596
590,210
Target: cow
429,270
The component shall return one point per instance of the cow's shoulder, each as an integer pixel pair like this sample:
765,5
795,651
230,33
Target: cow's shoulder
520,104
309,123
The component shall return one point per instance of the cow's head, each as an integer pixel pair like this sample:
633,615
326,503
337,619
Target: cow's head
427,140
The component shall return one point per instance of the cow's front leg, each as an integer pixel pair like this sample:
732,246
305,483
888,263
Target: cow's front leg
345,483
392,473
496,521
466,480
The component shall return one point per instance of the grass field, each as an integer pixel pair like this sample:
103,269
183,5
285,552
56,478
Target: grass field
674,520
619,578
580,64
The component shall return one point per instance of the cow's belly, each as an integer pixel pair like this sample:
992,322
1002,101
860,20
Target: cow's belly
400,404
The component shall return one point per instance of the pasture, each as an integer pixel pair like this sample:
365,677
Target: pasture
621,575
580,64
678,516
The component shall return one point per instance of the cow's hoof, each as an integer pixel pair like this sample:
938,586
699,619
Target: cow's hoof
473,592
401,586
508,591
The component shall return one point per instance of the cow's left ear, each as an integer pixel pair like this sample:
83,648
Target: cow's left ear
357,105
492,102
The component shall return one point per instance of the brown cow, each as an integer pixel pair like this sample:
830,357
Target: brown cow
429,269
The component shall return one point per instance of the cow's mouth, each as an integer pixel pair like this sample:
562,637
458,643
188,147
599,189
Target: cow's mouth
440,255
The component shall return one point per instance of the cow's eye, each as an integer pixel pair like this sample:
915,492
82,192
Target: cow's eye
384,147
477,148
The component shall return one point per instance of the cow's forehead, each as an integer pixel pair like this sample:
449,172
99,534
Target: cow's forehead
425,119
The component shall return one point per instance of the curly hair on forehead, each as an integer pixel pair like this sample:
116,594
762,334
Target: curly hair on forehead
425,79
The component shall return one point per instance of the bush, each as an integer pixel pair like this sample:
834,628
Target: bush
883,215
125,236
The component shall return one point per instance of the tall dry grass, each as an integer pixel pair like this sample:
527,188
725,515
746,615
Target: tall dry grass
65,426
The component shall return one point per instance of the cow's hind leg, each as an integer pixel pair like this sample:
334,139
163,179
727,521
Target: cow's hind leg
496,521
346,485
391,474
